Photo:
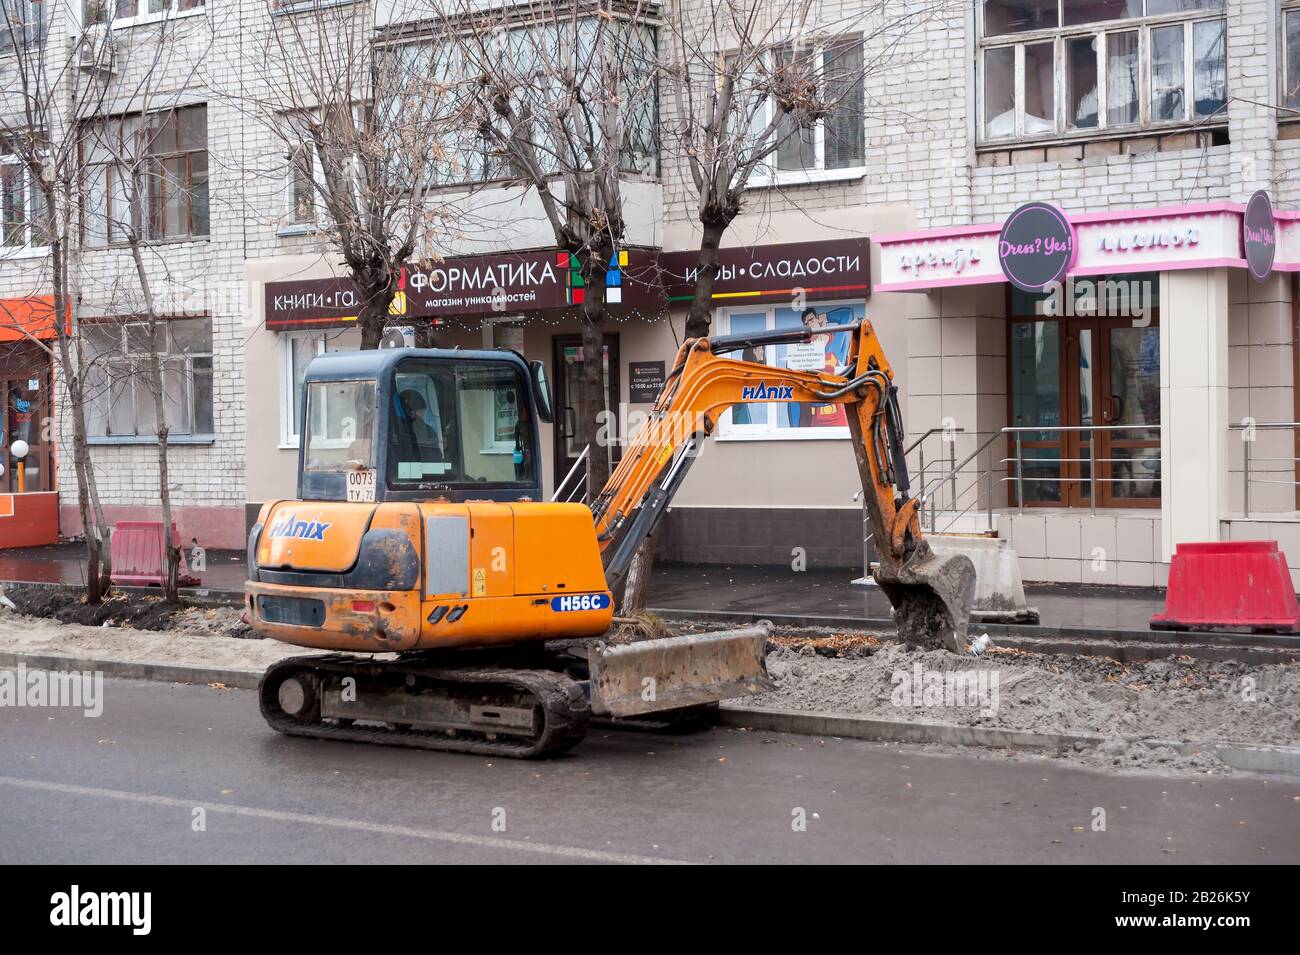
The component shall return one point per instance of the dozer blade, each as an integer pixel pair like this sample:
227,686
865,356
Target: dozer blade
672,672
932,597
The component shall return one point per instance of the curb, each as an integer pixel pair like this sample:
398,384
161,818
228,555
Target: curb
1258,758
1123,645
136,669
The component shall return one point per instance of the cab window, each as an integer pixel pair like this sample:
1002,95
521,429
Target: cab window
459,423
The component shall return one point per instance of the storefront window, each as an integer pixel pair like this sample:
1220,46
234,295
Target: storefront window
789,419
1086,357
296,352
1097,54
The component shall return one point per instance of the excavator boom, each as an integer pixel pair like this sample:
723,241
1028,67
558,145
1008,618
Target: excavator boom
931,595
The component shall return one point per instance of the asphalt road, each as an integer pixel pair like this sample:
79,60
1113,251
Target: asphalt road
125,787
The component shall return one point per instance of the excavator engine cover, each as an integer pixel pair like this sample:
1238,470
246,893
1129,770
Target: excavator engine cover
931,596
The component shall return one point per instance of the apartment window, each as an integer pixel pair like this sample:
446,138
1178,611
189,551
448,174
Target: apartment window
530,57
121,404
1291,57
1052,68
297,349
98,11
826,352
303,174
22,226
23,25
835,145
147,173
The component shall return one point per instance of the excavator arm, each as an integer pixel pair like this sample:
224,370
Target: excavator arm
931,596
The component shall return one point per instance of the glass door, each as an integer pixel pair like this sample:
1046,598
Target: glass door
1082,384
24,415
572,431
1130,364
1085,373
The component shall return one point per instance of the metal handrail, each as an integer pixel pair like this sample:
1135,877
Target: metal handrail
563,485
928,492
1246,480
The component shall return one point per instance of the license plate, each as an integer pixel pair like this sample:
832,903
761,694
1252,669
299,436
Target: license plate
361,485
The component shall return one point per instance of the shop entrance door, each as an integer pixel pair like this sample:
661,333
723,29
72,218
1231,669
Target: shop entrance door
1080,373
25,416
572,433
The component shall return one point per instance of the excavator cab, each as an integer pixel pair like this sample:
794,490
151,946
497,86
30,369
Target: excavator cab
410,425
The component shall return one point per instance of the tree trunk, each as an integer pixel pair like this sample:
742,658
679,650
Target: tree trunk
373,318
699,317
95,586
593,397
637,582
98,562
171,591
426,336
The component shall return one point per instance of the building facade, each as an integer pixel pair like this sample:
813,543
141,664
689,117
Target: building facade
1095,427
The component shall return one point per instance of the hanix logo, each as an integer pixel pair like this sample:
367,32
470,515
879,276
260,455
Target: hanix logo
765,392
290,526
103,908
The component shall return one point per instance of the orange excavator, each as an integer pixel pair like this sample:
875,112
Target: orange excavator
465,614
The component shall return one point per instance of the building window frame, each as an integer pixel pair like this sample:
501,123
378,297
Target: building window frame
129,13
770,428
1063,126
289,416
155,166
767,175
121,366
34,30
1289,10
34,241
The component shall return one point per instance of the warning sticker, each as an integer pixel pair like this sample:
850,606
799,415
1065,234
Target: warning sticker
480,582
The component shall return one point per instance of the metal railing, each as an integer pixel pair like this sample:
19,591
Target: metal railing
1248,430
970,490
574,485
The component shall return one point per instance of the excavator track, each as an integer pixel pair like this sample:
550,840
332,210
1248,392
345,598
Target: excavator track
481,709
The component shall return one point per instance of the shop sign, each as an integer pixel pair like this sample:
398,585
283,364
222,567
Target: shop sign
811,271
645,381
1036,246
1259,236
464,286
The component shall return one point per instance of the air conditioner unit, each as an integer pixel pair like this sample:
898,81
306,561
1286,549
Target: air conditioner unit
398,336
96,53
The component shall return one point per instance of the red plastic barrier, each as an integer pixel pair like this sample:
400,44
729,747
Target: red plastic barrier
137,552
1230,585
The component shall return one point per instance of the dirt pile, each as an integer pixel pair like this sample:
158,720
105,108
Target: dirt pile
67,605
1177,698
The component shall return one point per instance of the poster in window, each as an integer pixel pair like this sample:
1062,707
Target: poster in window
506,416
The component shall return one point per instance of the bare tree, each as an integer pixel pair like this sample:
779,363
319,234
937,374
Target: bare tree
362,123
563,98
49,84
749,80
131,151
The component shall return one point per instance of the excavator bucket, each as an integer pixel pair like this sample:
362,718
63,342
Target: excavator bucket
665,674
931,596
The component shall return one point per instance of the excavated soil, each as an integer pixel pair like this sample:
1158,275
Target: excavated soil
1177,698
139,611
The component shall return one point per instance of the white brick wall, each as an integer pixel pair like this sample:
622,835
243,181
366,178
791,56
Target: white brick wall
921,158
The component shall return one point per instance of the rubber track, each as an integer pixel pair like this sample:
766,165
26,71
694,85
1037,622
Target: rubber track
566,712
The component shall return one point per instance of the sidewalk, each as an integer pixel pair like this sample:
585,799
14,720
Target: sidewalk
708,588
830,593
